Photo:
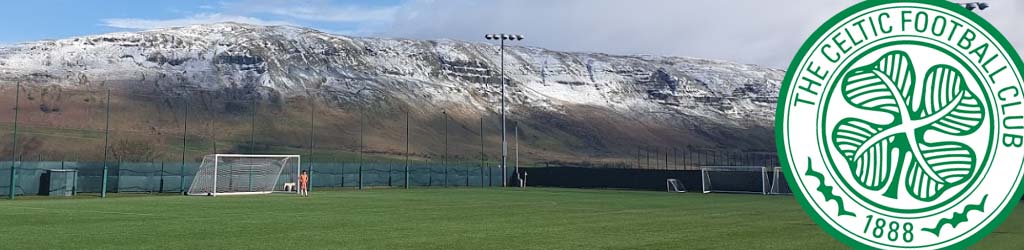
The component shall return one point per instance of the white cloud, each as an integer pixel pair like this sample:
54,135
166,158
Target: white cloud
343,14
747,31
202,18
316,10
368,32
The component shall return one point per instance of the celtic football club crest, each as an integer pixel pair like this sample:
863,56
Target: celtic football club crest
901,125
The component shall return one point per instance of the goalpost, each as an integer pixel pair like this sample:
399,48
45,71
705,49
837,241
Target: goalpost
674,185
779,183
239,174
735,179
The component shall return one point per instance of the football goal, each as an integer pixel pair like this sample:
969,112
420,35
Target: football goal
779,183
237,174
673,185
735,179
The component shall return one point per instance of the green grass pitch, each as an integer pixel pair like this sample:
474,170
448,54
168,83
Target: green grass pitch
536,218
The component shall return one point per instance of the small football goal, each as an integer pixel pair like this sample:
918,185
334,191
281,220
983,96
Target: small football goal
239,174
779,184
735,179
674,186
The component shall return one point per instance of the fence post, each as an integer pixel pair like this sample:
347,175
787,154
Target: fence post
14,173
362,128
444,160
445,176
103,188
408,138
675,159
648,157
14,140
312,134
106,145
161,190
483,156
181,188
481,176
74,182
184,145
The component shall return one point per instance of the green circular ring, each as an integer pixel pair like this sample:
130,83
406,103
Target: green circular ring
783,96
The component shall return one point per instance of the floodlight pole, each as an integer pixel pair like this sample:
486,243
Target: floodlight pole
504,143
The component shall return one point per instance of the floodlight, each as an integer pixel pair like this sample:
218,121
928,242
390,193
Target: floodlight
502,37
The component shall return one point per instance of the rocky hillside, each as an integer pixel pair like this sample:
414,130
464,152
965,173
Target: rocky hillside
570,105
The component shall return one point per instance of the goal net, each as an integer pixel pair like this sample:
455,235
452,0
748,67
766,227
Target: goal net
674,185
779,183
233,174
735,179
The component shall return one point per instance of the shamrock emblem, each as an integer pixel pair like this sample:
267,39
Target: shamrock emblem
886,157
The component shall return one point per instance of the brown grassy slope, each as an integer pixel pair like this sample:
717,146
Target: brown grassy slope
56,123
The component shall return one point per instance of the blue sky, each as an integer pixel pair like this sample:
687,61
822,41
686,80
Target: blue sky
54,19
746,31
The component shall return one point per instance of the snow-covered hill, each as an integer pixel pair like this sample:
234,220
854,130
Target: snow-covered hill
702,102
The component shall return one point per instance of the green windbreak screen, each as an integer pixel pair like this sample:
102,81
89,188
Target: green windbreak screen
175,177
